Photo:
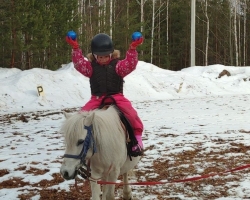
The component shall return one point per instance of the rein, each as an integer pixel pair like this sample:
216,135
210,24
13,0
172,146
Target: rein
86,146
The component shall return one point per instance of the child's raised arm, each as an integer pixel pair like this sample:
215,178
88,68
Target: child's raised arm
126,66
81,65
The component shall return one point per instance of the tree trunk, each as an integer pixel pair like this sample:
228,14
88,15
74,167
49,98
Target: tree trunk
104,12
27,53
152,32
167,28
142,15
235,34
142,12
239,39
13,38
99,15
127,19
12,64
90,18
207,37
111,18
159,37
245,33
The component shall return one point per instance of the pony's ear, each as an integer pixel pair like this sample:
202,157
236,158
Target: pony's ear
89,119
67,115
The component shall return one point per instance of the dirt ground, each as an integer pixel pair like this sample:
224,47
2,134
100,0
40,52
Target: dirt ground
227,151
160,167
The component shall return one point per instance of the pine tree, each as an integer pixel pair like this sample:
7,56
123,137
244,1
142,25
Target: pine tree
33,32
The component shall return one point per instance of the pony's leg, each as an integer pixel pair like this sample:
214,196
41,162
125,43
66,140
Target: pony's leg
95,190
127,194
108,191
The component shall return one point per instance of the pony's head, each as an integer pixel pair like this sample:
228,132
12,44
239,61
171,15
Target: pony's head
76,130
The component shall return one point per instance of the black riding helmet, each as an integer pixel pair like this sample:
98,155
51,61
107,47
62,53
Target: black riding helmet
101,45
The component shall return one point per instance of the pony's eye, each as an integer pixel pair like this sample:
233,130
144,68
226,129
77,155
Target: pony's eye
79,142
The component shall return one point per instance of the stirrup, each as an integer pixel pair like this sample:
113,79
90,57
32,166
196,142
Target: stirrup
137,152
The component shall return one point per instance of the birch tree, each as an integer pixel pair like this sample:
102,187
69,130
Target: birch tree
159,35
111,18
142,12
167,31
99,14
207,32
90,18
245,33
230,34
127,18
159,18
142,16
238,17
152,32
235,34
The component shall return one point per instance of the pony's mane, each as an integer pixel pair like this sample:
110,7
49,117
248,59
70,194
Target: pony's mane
105,123
103,117
108,131
72,127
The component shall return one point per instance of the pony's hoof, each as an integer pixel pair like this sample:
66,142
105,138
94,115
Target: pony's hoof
128,198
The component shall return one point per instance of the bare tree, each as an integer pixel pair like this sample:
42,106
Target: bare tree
142,12
245,33
207,33
235,34
99,14
167,31
111,18
90,18
104,12
239,36
13,38
159,36
152,32
230,34
156,14
127,19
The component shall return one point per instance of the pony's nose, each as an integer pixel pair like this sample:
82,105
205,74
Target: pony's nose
66,175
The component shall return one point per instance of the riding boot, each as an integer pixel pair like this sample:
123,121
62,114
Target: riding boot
137,150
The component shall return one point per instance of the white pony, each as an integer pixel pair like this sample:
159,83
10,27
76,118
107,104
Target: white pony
97,140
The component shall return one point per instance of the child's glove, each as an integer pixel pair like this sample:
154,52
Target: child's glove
136,43
73,43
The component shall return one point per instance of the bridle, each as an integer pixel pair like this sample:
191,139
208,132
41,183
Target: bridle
87,142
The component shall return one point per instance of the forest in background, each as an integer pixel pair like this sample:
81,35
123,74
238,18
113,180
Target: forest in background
33,31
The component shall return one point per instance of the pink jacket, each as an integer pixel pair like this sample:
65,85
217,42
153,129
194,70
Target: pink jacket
123,67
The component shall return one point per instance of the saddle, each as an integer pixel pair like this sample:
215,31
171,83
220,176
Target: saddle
131,140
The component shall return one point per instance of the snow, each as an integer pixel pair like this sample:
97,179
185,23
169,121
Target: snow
182,111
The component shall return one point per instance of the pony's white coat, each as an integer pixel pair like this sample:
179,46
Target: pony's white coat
111,159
